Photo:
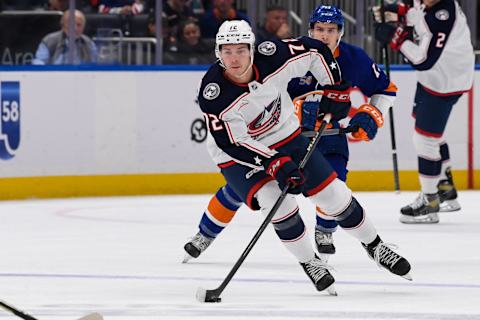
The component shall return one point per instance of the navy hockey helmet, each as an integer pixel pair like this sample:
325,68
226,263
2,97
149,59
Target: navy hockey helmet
327,14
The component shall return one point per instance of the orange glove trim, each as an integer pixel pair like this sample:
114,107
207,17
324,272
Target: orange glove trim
373,112
360,134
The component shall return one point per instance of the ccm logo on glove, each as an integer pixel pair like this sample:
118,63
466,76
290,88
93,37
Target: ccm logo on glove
338,96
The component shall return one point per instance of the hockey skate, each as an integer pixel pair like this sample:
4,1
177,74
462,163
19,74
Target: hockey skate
325,246
423,210
382,253
448,193
196,246
318,272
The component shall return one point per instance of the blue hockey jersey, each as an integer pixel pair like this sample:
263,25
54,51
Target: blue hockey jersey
363,73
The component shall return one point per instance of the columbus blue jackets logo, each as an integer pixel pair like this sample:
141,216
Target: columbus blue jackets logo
211,91
10,118
267,119
267,48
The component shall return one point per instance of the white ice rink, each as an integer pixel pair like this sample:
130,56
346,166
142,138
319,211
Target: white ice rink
121,257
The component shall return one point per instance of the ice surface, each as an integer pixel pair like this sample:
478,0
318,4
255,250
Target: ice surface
121,257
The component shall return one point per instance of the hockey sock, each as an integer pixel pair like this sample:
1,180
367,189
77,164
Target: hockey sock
291,231
429,171
220,211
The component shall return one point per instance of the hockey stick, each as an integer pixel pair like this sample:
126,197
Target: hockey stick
204,295
23,315
386,63
331,132
16,312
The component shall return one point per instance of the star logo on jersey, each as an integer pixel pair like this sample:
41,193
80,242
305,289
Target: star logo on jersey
267,48
258,161
333,65
211,91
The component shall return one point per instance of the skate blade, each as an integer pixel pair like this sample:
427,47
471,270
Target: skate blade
407,276
187,258
450,206
426,219
332,291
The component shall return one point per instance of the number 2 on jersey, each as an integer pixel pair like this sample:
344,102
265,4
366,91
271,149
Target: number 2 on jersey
440,40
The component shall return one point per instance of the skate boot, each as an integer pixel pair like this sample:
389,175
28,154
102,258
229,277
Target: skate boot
448,193
317,271
382,253
196,246
423,210
324,242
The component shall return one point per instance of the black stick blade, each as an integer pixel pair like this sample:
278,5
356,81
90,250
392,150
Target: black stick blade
204,295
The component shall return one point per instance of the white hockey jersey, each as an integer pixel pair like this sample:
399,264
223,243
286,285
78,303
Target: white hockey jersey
443,57
247,122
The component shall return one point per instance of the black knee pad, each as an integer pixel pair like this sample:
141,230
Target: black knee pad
290,228
352,216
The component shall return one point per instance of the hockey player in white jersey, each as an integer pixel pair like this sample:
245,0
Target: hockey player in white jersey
254,138
434,36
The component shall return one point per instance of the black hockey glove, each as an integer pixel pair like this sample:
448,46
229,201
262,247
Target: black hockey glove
285,171
393,11
392,34
336,100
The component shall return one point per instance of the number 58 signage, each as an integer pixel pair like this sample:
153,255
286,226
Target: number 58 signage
10,118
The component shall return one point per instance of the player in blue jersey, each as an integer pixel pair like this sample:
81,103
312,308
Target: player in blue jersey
255,139
442,55
327,25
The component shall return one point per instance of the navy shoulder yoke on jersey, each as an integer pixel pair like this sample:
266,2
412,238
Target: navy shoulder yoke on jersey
225,102
440,20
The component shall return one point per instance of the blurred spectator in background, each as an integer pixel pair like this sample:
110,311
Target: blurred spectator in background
275,25
222,10
53,48
22,4
192,49
57,5
169,40
176,11
89,6
196,5
126,7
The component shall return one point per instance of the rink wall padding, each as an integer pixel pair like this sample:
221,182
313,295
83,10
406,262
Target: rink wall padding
193,183
97,131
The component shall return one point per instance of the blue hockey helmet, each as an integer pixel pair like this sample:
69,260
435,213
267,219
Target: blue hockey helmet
327,14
